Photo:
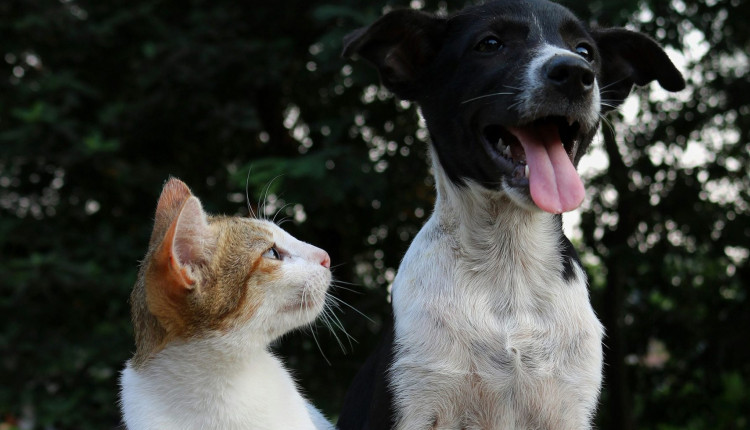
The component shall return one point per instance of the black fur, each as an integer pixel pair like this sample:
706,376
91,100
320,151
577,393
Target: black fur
569,259
367,405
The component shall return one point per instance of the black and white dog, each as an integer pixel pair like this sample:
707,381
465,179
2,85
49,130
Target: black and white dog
493,325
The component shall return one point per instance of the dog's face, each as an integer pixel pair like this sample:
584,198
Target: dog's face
512,91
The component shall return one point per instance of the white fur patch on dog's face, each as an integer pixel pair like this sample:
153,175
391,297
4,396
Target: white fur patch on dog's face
586,111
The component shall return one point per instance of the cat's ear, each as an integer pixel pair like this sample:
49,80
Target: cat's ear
174,262
173,196
192,242
188,243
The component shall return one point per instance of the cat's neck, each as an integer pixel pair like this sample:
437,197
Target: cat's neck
221,354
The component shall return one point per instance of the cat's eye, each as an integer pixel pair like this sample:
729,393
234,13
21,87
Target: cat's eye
272,253
489,44
586,51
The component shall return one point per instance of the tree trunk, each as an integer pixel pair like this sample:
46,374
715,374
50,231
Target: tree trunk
619,407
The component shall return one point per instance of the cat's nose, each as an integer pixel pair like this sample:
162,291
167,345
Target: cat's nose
325,260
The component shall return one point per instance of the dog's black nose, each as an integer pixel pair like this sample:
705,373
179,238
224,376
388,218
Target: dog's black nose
570,75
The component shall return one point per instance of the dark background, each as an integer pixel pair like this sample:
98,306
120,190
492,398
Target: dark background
100,101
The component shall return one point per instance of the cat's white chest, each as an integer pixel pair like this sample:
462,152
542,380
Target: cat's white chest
176,392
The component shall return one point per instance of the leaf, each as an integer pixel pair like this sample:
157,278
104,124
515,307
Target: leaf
95,143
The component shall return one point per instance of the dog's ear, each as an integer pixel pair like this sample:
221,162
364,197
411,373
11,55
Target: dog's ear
631,58
400,45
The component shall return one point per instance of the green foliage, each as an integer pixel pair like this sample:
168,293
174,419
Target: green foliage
102,101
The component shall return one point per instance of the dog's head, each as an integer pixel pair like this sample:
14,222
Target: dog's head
512,91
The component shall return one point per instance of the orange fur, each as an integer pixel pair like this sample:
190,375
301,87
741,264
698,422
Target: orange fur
172,300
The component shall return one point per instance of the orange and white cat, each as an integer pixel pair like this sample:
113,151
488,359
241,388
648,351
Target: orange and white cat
211,294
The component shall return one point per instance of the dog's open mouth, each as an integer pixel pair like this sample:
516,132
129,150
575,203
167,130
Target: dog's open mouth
542,152
506,144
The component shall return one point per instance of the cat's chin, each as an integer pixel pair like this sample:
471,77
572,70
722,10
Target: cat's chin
307,307
309,300
302,313
304,306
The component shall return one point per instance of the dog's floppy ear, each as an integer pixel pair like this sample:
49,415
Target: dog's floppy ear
400,45
631,58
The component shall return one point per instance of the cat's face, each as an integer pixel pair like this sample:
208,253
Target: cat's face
241,279
258,279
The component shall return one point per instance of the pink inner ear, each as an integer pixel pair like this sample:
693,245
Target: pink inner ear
192,234
172,198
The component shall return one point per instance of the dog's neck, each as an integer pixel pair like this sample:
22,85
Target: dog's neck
488,225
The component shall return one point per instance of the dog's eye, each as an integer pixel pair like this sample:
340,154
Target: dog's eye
586,51
272,253
489,44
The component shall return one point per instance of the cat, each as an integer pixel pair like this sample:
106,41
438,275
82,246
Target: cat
211,294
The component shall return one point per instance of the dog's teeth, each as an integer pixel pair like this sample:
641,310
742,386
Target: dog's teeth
526,170
506,152
571,120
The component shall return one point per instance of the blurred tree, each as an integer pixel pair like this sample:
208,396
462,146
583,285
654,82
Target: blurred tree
668,227
101,101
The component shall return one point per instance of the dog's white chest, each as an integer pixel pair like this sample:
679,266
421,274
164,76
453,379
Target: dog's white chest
492,338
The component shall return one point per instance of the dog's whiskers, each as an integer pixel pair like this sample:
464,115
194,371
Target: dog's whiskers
613,83
515,104
485,96
610,104
606,121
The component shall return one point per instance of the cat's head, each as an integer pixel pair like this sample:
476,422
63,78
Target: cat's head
240,279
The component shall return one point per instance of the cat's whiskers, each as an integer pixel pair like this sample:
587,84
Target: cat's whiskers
302,301
335,319
331,321
351,290
278,212
247,194
314,330
337,266
283,221
339,302
264,196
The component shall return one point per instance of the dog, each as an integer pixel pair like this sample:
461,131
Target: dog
493,328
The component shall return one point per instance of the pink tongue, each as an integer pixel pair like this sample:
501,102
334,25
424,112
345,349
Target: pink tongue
554,183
